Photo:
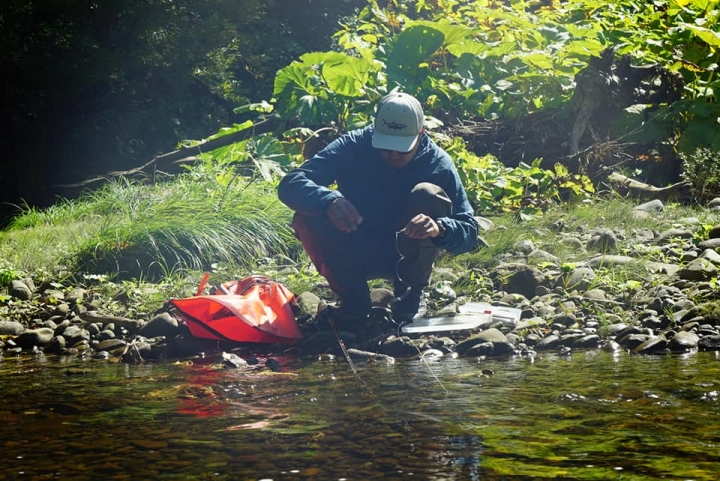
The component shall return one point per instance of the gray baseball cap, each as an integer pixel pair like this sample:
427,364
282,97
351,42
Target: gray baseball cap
398,122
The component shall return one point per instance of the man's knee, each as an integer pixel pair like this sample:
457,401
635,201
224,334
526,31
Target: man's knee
429,199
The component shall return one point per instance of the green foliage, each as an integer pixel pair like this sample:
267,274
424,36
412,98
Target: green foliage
526,189
202,218
702,170
8,273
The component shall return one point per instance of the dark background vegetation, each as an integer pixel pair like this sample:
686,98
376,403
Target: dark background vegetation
96,86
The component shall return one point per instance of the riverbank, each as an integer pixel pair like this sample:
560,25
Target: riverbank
645,281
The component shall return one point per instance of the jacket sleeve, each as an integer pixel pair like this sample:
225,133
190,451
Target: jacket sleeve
306,189
461,227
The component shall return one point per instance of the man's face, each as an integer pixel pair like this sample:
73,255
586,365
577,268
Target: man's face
398,160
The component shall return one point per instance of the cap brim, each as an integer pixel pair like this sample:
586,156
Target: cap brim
397,143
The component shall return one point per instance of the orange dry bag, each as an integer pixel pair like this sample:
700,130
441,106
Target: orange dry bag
253,309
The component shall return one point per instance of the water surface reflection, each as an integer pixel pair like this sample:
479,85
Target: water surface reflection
592,415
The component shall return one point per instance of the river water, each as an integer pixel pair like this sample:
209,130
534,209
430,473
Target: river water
589,416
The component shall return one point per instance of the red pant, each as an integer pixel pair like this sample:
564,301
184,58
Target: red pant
348,260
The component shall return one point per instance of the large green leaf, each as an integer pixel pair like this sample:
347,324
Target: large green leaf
409,50
270,157
705,34
346,75
452,34
291,83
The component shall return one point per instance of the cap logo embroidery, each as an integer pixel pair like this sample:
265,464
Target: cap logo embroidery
394,125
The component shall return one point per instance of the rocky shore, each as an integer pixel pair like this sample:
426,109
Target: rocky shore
667,301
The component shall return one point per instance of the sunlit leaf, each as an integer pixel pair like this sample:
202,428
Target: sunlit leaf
409,49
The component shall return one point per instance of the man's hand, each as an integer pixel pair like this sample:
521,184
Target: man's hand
421,227
343,214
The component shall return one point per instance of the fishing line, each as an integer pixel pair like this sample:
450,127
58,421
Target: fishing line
347,354
402,296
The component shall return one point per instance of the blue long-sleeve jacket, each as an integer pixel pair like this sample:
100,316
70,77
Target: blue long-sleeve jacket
364,178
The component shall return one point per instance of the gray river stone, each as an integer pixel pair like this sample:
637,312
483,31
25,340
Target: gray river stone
483,349
683,341
35,337
674,233
603,240
652,346
539,256
579,279
710,244
56,346
711,255
710,343
500,343
698,270
111,345
654,205
551,341
10,328
20,290
588,341
519,278
163,324
631,341
714,232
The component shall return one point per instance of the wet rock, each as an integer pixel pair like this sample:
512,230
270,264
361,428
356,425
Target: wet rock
105,334
501,344
549,342
162,325
566,319
232,360
94,329
631,341
130,325
35,338
483,349
398,347
653,345
369,356
569,339
112,346
611,346
587,341
56,346
683,341
11,328
78,336
710,343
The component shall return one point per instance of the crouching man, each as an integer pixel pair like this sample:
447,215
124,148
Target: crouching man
398,201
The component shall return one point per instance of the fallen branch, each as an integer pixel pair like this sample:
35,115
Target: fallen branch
183,154
624,184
